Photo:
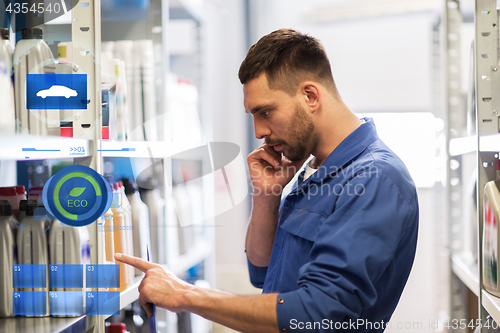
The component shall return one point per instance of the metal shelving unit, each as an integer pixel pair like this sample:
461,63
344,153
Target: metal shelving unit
86,148
486,144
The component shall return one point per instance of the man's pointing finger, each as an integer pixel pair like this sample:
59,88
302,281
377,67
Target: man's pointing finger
138,263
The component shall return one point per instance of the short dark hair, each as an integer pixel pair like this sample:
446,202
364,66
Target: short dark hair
288,58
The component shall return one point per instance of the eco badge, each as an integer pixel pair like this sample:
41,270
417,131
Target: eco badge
77,195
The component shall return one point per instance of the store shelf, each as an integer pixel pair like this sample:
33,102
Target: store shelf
194,256
489,143
466,270
492,305
45,324
152,149
31,147
131,294
460,146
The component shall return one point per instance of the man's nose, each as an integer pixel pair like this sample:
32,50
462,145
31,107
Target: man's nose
261,130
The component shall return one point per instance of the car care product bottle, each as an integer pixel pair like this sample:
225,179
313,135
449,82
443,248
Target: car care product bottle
156,206
108,236
65,66
122,115
140,221
8,115
124,50
32,246
144,99
491,209
20,195
33,56
68,245
7,246
23,207
127,212
119,234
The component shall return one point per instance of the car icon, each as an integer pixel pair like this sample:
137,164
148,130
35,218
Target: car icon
57,91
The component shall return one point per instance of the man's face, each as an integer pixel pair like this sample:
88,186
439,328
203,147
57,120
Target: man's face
279,119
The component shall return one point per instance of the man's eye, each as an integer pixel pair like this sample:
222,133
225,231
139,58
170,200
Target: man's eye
264,113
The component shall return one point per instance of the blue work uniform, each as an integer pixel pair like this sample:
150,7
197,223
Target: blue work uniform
345,241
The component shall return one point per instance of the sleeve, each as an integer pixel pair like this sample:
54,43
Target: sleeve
353,248
257,274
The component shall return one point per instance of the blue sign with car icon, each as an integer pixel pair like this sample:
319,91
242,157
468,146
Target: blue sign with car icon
56,91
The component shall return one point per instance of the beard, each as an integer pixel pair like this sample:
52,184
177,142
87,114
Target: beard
300,134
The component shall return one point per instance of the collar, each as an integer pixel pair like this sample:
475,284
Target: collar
353,145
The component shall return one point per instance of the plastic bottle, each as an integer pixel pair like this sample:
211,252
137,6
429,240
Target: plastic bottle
127,212
68,245
8,115
144,99
7,246
124,50
122,114
156,206
32,246
23,207
65,66
119,235
108,237
140,221
33,56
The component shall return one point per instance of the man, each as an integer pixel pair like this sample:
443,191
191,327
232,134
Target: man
337,252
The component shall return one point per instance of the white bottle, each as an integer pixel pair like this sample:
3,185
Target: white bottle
32,247
7,245
140,221
144,99
156,207
124,50
68,245
33,56
127,212
8,116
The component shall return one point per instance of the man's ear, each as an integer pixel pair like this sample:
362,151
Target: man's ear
312,95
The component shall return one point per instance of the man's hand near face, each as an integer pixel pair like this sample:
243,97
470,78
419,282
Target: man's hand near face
164,289
269,173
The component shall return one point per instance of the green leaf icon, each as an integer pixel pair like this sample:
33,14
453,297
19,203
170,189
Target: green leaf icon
76,191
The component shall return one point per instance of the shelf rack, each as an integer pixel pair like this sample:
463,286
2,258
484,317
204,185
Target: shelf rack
89,150
486,145
466,270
